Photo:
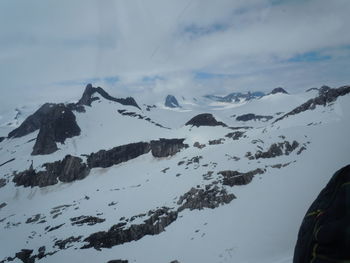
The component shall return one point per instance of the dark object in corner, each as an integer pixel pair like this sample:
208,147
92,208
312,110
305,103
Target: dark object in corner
324,235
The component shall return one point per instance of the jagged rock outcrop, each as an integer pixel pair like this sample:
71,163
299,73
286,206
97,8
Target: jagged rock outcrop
210,197
159,148
326,96
156,223
88,98
232,178
167,147
71,168
235,135
33,122
278,90
140,117
56,126
2,182
88,220
117,154
278,149
2,138
205,119
171,102
252,116
25,256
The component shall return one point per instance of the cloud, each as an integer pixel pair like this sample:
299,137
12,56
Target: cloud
49,48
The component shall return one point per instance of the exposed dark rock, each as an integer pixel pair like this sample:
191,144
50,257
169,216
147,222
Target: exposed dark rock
2,205
236,96
76,107
167,147
215,142
149,107
41,252
117,154
50,229
205,119
2,138
69,169
25,256
11,160
198,145
279,165
171,102
278,90
232,178
311,89
3,182
66,243
235,135
303,148
72,168
56,125
326,96
139,116
165,170
88,220
156,223
33,122
33,219
278,149
118,261
251,116
210,197
194,159
88,98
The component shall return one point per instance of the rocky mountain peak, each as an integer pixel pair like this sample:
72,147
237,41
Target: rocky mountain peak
87,97
279,90
171,102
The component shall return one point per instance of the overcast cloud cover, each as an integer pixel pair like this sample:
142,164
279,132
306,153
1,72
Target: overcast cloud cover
50,49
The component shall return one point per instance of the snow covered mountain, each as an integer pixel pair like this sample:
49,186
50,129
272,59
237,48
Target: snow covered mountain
113,179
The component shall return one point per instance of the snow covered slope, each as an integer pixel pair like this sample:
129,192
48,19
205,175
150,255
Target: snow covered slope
142,186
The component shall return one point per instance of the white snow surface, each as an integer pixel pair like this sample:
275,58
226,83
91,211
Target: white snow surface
260,225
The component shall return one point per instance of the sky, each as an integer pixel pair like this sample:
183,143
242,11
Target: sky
49,50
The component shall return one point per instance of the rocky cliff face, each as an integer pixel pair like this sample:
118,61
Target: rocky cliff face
56,125
205,119
71,168
33,122
117,234
117,155
167,147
